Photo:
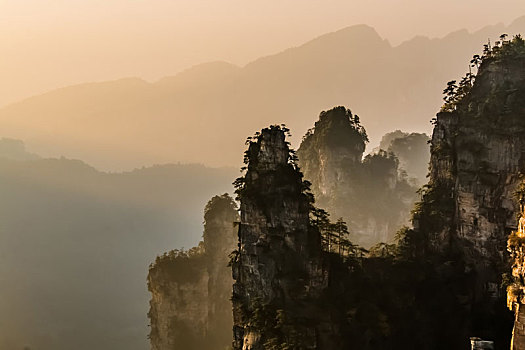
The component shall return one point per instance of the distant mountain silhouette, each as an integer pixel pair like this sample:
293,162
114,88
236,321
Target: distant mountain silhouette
204,113
75,245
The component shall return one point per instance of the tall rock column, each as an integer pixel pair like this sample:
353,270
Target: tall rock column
368,193
220,239
278,271
190,304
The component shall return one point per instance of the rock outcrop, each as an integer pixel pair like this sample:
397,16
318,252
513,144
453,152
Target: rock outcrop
278,270
372,194
190,306
178,314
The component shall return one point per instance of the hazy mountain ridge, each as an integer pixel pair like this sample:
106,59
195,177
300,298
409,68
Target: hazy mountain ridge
131,122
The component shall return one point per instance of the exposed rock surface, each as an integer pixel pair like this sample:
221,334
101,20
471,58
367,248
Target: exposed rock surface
371,194
278,271
468,207
179,304
478,153
190,306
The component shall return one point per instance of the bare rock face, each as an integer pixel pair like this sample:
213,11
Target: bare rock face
468,207
278,269
179,303
478,152
190,306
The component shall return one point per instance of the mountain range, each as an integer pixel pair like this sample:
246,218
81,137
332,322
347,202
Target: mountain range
204,113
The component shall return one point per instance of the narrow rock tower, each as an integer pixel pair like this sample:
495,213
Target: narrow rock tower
278,268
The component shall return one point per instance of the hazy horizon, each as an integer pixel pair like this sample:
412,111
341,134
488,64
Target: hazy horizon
53,44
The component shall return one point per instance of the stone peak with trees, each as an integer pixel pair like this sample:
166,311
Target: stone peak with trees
372,194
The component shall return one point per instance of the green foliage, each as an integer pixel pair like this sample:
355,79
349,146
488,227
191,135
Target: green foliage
218,205
250,159
278,330
183,266
435,208
504,49
335,237
338,128
219,211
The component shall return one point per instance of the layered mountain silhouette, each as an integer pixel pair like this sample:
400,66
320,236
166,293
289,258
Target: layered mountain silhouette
204,113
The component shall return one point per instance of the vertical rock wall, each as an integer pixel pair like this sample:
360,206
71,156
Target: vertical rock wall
278,271
190,306
179,305
478,152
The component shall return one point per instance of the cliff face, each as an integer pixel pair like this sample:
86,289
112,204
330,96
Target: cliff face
468,209
190,306
370,194
478,152
278,269
179,302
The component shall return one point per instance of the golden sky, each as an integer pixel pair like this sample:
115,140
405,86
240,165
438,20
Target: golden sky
46,44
